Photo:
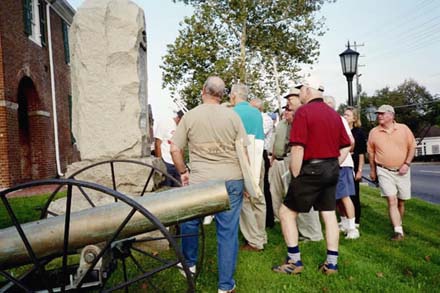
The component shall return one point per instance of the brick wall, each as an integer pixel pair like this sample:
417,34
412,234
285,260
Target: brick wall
21,58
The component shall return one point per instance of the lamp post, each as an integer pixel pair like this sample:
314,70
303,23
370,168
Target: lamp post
349,59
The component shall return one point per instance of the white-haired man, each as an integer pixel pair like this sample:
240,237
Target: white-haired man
319,142
253,212
391,147
345,188
264,180
210,131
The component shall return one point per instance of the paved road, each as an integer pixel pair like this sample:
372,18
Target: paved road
425,181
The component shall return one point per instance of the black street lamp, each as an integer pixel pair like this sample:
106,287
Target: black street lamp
349,60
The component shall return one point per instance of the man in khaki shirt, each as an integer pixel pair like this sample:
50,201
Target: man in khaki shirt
391,147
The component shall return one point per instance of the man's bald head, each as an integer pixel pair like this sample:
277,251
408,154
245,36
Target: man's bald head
214,86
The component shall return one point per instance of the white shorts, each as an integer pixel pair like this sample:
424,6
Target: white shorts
393,184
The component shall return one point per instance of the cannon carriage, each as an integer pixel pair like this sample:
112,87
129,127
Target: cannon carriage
103,246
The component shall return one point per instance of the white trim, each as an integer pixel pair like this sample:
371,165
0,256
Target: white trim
9,105
52,87
35,36
39,113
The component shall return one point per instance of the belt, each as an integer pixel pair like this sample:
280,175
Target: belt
389,169
318,161
279,159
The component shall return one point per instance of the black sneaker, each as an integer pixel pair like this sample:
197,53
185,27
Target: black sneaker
397,236
328,268
289,267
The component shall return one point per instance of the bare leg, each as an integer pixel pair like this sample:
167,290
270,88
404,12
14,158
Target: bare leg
394,211
348,206
340,207
288,225
331,229
401,207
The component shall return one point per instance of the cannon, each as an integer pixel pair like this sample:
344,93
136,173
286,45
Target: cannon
82,250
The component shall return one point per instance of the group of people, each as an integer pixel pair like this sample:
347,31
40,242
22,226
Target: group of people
312,166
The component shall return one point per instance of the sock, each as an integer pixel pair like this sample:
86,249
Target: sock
351,225
332,257
293,253
343,220
398,229
344,223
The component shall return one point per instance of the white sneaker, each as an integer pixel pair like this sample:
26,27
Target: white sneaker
352,234
182,272
342,227
208,220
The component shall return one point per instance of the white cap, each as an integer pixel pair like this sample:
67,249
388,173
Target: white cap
385,108
292,92
312,81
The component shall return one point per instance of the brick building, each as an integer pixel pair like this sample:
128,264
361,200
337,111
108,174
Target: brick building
35,90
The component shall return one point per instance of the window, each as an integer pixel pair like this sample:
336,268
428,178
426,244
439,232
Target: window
436,149
65,29
34,17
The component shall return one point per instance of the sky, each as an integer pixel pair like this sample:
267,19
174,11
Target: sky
400,38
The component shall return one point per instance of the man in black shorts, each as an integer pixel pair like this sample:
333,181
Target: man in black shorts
318,140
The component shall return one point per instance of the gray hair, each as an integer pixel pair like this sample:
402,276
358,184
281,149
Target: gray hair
240,91
214,86
257,103
329,100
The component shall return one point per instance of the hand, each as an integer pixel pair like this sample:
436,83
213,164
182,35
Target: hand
184,178
403,169
246,194
358,176
373,175
271,161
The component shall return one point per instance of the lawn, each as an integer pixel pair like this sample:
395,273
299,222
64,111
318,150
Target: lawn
371,263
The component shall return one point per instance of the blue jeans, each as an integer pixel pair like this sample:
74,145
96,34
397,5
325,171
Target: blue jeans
227,224
171,170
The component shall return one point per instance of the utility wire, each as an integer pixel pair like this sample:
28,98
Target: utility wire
403,20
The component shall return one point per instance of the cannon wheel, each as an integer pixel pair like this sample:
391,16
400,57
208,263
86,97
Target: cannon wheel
150,171
37,270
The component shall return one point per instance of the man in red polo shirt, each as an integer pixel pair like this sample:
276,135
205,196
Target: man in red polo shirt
319,142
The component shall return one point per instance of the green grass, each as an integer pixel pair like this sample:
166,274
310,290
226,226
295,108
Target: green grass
371,263
25,208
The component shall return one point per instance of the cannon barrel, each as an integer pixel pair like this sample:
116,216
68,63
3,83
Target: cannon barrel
98,224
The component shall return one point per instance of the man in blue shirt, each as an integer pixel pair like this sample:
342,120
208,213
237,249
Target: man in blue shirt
253,212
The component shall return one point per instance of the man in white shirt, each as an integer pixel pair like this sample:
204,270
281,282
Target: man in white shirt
345,187
268,130
163,132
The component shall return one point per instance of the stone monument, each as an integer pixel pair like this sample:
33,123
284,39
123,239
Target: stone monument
109,80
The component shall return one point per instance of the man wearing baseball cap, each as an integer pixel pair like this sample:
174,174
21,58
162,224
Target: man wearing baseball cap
391,147
309,226
318,143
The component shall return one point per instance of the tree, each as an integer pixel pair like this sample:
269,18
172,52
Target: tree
259,43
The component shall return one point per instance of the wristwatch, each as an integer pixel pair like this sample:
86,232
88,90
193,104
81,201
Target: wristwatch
408,164
183,172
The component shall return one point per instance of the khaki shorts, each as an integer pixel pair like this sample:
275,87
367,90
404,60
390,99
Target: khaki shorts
393,184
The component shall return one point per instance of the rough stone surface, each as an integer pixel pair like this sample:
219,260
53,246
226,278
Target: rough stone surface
130,180
109,79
